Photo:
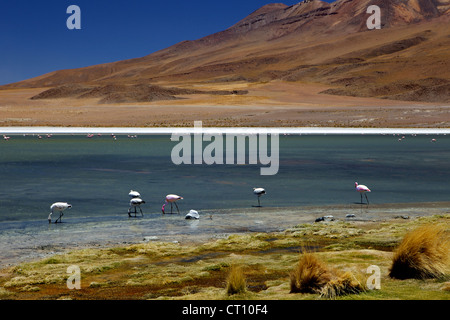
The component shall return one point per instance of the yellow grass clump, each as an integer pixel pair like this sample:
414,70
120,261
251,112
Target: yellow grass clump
446,286
423,253
312,276
341,285
236,281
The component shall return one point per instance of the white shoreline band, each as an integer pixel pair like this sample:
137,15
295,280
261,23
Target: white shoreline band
220,130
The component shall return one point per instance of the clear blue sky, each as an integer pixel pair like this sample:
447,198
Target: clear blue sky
34,38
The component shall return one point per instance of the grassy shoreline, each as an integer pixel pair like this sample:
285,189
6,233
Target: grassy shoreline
168,270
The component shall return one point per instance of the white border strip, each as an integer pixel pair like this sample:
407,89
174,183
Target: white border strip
208,130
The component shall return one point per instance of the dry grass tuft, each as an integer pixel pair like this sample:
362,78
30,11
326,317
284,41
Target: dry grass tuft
344,284
236,281
310,275
446,286
423,253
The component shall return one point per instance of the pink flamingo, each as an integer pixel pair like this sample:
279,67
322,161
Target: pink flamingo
362,189
171,198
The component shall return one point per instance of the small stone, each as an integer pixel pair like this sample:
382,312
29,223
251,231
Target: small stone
150,238
325,218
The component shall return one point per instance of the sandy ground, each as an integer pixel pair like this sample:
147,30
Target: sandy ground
275,104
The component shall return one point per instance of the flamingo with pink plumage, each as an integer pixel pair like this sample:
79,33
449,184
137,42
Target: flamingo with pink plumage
171,198
362,189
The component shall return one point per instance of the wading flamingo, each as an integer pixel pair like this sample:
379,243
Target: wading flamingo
171,198
58,206
135,202
362,189
259,192
134,194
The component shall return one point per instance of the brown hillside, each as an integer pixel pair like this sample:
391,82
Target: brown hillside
309,42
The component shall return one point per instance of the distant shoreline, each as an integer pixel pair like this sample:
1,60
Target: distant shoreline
16,130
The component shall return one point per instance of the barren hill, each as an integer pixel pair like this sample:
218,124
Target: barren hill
309,42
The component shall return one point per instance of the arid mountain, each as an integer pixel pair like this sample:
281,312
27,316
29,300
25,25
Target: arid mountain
309,42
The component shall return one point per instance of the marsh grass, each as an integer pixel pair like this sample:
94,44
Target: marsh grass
236,283
268,261
4,293
423,253
344,284
446,286
310,275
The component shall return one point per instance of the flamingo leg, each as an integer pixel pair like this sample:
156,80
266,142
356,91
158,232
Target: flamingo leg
129,211
361,197
60,216
259,203
177,207
142,214
171,207
367,198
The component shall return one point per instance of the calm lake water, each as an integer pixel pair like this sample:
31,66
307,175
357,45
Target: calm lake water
95,175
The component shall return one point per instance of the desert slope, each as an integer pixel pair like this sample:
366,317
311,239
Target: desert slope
312,44
312,41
